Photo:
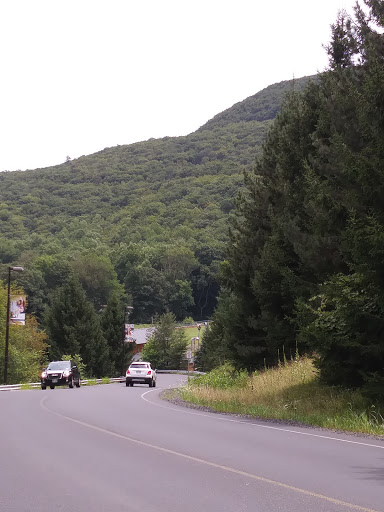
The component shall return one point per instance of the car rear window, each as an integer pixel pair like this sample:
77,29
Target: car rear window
139,365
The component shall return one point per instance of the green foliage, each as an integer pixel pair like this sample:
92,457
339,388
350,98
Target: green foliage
344,325
27,347
74,328
78,362
181,300
188,321
42,275
170,197
166,348
311,212
223,377
215,347
290,392
112,323
97,276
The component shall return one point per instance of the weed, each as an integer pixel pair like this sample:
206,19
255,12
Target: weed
290,391
224,377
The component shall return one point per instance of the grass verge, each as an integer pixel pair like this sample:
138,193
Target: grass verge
27,386
290,392
91,382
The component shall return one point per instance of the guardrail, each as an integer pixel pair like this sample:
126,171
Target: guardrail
28,385
85,382
181,372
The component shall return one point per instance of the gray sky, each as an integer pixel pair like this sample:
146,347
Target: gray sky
82,75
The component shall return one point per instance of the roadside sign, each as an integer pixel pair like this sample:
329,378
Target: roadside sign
189,354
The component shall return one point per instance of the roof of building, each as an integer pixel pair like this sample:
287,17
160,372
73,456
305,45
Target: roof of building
140,336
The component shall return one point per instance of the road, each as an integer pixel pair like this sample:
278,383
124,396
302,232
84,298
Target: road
111,448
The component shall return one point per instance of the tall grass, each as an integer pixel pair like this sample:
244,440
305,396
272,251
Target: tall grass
291,391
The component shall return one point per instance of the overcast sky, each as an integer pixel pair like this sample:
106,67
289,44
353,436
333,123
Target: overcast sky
78,76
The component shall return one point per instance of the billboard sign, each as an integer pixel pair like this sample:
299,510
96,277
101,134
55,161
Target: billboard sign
17,307
128,336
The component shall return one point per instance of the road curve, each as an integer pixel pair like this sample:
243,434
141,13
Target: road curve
106,448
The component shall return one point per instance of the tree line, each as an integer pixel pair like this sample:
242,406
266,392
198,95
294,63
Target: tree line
304,268
72,328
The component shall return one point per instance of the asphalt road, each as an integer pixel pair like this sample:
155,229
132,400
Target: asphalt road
112,448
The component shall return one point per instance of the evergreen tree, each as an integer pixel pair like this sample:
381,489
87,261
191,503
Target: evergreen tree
167,346
112,323
73,327
345,326
346,329
312,212
264,272
215,347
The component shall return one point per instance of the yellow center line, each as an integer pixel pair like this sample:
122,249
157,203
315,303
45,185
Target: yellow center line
208,463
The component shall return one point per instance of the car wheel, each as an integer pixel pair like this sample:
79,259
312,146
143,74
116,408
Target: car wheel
78,383
70,383
150,383
131,384
154,384
52,387
43,386
127,383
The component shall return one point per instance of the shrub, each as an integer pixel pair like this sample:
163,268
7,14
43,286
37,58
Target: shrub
77,359
223,377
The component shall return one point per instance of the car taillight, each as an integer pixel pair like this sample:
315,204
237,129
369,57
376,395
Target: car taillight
149,372
127,372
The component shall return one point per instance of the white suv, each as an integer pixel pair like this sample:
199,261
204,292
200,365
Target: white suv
142,373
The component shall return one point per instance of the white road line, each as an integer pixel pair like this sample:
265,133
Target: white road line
208,463
220,418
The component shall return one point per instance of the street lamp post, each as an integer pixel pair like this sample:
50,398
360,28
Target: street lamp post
198,328
10,269
127,336
166,351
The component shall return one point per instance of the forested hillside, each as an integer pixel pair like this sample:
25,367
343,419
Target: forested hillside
279,199
148,219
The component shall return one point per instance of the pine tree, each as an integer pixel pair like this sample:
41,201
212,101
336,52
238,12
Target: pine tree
347,326
312,212
264,272
167,346
73,327
113,328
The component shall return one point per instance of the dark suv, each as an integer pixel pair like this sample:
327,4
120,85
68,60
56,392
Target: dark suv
59,373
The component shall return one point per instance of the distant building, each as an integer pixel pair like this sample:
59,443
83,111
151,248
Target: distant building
140,338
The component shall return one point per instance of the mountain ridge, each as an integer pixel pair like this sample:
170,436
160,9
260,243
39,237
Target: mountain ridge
175,192
192,171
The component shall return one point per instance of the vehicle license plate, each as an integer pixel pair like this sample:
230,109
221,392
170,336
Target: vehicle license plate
138,371
54,381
